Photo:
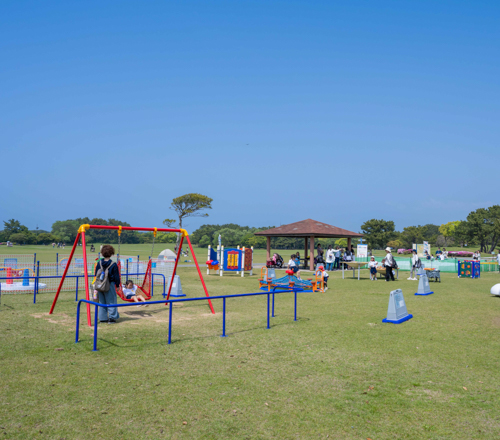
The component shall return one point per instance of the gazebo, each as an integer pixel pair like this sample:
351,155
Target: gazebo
308,229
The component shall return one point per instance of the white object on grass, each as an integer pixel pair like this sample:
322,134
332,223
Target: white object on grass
14,287
495,290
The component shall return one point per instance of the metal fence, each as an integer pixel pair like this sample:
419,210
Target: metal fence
22,276
450,265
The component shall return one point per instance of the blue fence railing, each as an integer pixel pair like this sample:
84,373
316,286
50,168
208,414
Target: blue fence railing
37,279
171,301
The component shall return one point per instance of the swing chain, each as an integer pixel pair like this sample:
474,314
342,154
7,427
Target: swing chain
119,240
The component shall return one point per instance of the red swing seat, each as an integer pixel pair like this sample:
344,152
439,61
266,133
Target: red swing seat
145,289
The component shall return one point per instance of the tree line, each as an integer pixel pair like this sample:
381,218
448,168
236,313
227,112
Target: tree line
481,228
65,231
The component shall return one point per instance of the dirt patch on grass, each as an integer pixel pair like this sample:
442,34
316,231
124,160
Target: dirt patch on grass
496,321
56,318
436,395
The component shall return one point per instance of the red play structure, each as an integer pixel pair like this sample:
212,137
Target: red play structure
146,287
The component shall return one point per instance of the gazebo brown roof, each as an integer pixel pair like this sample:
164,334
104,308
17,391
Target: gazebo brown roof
308,229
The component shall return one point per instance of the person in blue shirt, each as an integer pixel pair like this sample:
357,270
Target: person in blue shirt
297,263
108,314
338,253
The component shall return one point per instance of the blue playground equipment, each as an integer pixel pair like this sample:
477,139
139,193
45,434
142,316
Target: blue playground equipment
288,282
26,277
469,269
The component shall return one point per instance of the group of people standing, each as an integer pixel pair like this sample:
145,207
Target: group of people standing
334,257
389,263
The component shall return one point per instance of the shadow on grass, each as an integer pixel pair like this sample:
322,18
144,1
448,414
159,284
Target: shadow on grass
194,338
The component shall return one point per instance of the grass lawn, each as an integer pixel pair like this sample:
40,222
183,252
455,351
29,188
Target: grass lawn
337,371
47,254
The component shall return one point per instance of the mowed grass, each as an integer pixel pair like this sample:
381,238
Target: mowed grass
337,371
47,254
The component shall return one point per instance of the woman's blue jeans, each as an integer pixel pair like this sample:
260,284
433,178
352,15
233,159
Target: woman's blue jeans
329,266
108,297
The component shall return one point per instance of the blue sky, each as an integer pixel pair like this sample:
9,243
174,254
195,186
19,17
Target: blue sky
278,110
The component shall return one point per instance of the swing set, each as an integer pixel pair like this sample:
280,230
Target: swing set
146,287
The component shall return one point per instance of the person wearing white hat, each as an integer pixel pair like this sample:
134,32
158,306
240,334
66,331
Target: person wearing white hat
389,264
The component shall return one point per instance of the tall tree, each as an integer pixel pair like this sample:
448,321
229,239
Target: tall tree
13,227
378,232
460,233
190,205
476,227
430,232
483,227
412,234
447,229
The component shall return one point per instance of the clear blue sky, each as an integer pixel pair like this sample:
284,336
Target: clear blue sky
278,110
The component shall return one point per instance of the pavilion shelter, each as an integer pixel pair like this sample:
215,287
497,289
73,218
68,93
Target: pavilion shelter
308,229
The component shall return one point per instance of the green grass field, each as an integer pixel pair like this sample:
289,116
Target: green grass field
46,254
337,372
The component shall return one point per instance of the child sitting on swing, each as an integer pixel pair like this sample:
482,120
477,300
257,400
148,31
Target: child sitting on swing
129,290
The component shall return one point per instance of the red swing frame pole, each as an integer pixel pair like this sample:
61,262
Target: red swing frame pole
65,272
199,273
132,228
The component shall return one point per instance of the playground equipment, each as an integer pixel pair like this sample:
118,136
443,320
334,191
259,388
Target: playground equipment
47,276
146,287
86,227
213,260
290,281
397,312
267,276
11,284
230,260
166,256
469,269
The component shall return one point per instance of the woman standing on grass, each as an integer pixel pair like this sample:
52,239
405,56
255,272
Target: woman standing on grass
389,264
330,258
108,314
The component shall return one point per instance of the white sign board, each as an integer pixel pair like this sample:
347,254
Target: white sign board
362,250
397,312
427,247
423,284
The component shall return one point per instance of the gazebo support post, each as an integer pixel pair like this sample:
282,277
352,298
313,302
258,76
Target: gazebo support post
268,248
349,241
311,257
305,252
